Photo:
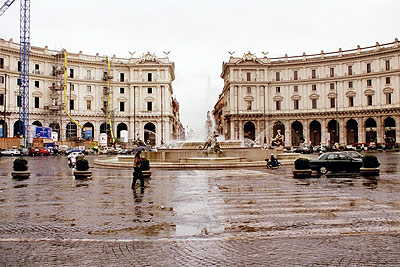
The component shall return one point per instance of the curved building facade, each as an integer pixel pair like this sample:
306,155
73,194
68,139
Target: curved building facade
344,97
134,95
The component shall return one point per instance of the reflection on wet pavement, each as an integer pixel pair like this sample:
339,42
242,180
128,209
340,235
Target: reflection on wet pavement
208,204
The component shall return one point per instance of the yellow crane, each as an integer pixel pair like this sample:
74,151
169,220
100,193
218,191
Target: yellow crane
65,92
108,113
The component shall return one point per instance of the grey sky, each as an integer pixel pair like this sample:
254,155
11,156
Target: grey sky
200,33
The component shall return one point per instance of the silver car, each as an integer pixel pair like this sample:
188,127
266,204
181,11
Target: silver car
10,152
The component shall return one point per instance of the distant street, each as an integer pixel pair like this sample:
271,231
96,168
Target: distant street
232,217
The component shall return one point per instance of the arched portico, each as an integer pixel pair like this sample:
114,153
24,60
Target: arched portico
297,133
249,130
333,130
315,133
390,130
352,132
150,133
370,131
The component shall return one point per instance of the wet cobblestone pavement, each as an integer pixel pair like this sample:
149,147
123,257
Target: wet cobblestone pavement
198,217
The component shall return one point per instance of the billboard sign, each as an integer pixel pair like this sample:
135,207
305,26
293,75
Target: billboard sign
43,132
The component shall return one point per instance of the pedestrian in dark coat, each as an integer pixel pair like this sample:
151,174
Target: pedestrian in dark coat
137,173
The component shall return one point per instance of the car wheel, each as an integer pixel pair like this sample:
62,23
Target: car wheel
12,154
323,170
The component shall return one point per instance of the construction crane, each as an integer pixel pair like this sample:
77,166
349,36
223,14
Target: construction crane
107,92
24,50
5,6
65,92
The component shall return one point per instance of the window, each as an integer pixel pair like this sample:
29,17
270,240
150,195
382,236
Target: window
71,73
248,105
387,80
1,79
333,102
19,103
36,102
1,63
149,106
149,77
122,106
295,75
313,74
332,72
369,100
89,74
350,84
1,99
36,66
249,90
350,70
387,64
389,98
314,103
37,84
314,87
88,104
296,104
104,104
278,90
71,87
278,76
296,88
71,104
369,82
19,82
332,85
368,67
122,90
248,76
149,90
19,65
89,89
278,105
351,101
122,77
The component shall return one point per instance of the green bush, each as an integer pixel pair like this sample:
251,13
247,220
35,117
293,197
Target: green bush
302,164
82,164
145,164
370,161
20,164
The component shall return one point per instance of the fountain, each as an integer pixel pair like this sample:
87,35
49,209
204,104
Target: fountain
210,153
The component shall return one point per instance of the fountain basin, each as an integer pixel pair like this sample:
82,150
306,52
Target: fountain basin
242,157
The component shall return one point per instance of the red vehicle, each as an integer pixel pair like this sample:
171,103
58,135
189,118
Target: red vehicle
38,152
43,151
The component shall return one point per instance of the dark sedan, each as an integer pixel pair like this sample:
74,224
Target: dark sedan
335,162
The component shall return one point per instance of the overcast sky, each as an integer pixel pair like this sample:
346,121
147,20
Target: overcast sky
200,33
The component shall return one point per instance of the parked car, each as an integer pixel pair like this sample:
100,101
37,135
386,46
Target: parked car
76,149
125,151
43,151
349,147
10,152
24,151
34,152
335,161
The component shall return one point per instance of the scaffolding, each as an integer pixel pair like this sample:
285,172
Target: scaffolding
107,92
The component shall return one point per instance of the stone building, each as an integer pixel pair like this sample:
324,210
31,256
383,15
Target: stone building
138,99
343,97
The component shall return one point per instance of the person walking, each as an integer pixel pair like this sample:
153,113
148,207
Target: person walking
137,172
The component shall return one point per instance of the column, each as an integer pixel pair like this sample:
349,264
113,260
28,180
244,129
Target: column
288,136
306,131
324,140
379,131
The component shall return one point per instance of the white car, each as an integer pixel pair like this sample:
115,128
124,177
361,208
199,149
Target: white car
75,154
10,152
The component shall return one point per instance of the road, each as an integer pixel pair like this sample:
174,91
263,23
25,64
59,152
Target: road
257,217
